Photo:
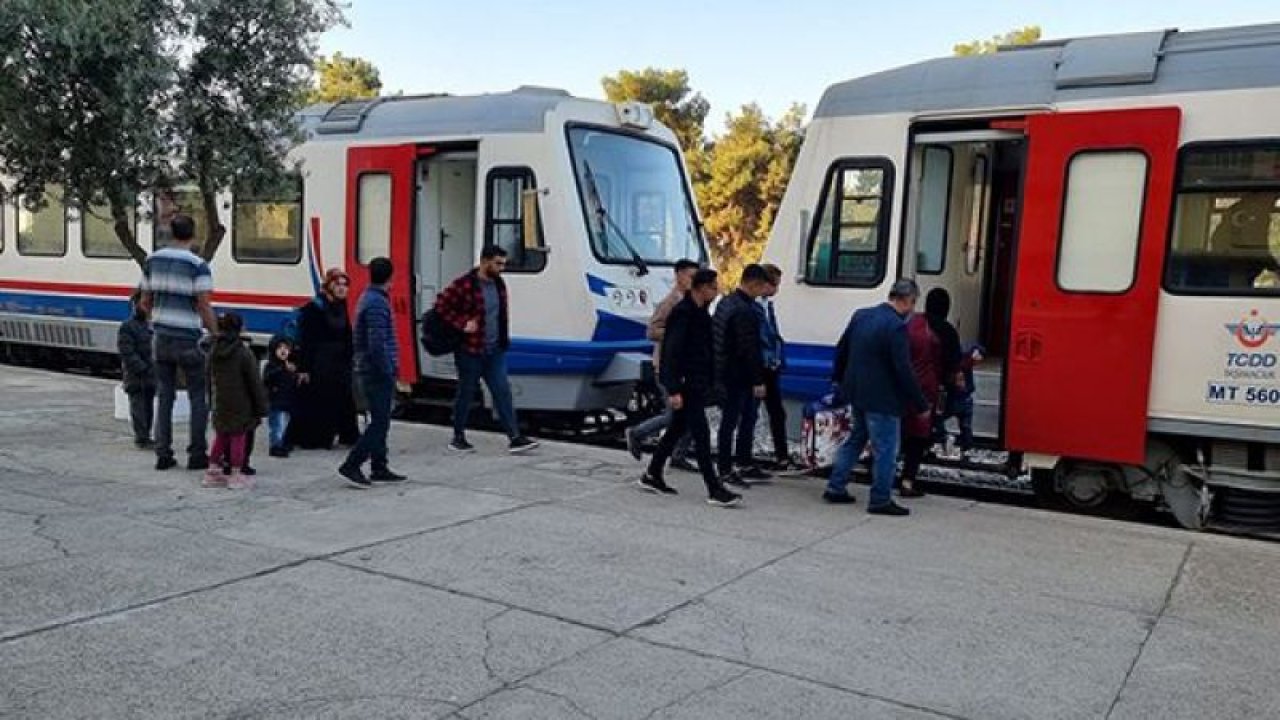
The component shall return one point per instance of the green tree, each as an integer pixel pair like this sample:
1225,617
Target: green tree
345,78
249,67
1021,36
84,91
748,169
674,103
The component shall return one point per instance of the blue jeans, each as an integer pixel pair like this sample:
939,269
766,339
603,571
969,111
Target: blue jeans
379,394
738,416
277,424
883,431
493,368
174,355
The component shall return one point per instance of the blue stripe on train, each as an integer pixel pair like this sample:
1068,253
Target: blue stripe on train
256,320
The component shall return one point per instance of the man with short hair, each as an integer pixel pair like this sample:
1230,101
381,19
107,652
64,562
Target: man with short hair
873,371
177,286
377,356
740,375
772,347
686,374
684,271
476,304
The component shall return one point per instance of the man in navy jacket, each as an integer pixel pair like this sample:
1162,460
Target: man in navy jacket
873,371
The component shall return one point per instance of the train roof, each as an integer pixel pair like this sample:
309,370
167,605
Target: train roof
522,110
1147,63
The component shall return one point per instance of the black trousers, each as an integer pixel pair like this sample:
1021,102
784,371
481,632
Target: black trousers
777,415
913,450
691,418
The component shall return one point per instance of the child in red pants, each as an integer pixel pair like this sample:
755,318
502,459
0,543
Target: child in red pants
239,403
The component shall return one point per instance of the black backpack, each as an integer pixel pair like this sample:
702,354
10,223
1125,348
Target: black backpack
438,337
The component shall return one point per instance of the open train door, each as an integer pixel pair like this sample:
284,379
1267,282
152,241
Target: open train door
1091,247
380,198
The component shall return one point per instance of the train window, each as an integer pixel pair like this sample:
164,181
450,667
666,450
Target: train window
171,202
1102,221
43,231
267,226
935,203
373,217
98,237
847,247
977,216
1226,231
504,218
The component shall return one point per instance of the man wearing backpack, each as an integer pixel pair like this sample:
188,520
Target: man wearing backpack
476,305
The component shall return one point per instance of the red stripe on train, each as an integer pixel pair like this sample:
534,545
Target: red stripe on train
123,291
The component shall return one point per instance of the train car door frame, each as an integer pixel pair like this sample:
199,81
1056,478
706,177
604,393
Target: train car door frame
1079,366
398,163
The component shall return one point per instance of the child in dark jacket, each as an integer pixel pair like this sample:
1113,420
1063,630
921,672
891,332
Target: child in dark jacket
959,403
133,342
239,403
281,379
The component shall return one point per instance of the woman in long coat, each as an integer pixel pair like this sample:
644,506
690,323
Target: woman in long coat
917,429
325,403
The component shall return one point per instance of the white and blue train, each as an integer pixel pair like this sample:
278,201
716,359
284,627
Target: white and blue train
591,200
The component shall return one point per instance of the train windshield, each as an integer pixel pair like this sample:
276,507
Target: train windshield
636,203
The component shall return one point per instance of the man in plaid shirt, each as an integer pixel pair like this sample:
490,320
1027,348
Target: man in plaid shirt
476,304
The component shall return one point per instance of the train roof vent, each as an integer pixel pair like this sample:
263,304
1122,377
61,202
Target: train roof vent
1129,59
347,116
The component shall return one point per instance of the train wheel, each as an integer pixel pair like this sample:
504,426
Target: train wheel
1086,488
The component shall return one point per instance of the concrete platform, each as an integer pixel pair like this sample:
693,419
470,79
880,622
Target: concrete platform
546,586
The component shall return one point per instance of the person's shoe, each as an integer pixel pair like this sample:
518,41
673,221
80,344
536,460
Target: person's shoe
753,472
249,470
460,445
279,452
790,468
521,444
387,475
354,477
890,508
198,462
733,479
909,490
724,499
144,444
213,478
657,485
839,498
685,464
166,462
238,480
633,445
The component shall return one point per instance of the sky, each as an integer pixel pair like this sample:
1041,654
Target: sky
736,51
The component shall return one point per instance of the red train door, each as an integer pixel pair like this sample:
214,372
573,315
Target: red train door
1090,253
380,200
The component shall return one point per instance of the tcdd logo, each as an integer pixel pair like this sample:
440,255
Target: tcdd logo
1252,332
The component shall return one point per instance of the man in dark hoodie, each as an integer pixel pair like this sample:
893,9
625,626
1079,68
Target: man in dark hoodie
686,374
133,342
740,375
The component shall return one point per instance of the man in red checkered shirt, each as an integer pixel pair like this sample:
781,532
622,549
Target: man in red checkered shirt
476,304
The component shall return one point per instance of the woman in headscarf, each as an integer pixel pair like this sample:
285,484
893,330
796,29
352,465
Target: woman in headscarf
325,403
935,357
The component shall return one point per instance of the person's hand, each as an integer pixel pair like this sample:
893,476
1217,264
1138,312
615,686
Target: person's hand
472,326
291,367
304,378
676,401
758,391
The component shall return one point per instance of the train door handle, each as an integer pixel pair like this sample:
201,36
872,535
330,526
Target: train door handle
1028,346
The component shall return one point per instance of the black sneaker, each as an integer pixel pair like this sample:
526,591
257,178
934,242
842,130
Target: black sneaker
387,475
839,498
724,499
354,477
753,472
734,479
166,462
279,452
198,462
652,484
684,464
521,444
460,445
890,508
247,470
633,445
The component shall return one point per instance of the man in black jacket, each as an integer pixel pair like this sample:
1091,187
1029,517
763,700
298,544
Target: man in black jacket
740,374
686,373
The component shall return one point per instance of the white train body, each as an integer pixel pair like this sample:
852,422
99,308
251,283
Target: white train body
428,182
1105,213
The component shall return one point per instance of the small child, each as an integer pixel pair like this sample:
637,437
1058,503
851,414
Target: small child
239,403
281,379
133,342
960,399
